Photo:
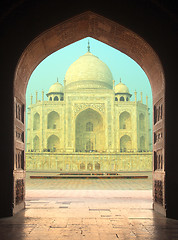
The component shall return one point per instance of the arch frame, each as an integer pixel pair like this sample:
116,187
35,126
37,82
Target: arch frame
57,118
123,39
76,119
50,137
128,113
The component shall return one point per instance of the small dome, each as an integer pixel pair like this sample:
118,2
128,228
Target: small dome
88,71
56,88
121,88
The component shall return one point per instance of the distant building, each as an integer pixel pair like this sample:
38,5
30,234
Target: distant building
88,124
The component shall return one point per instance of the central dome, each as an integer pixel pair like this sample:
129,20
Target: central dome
88,72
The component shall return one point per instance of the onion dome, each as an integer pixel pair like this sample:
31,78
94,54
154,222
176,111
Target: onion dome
121,88
56,88
88,72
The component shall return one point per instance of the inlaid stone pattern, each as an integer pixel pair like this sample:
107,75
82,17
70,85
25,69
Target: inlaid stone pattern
158,160
158,136
158,191
20,111
158,111
19,163
80,106
19,135
20,191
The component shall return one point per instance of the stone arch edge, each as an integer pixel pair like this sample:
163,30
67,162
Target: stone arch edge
89,24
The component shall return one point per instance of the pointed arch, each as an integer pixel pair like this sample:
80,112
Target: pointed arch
53,120
97,166
89,131
125,120
53,143
125,143
36,143
141,121
142,143
82,166
36,121
109,32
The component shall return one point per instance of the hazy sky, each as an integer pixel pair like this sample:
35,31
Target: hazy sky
121,66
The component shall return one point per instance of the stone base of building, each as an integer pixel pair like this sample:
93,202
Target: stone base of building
65,162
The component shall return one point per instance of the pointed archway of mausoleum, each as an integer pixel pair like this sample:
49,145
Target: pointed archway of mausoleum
93,25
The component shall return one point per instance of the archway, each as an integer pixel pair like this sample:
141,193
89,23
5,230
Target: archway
53,143
141,121
36,143
142,143
125,143
36,121
125,120
53,120
117,36
89,131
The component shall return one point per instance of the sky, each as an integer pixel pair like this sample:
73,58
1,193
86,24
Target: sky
121,66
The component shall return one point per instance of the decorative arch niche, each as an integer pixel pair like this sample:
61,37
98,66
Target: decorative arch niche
36,121
53,143
89,131
36,143
125,120
92,25
53,120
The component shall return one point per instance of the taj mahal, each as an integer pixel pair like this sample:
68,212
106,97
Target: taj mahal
88,123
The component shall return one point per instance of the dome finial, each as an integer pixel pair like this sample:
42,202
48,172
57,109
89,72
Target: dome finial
88,46
120,80
57,79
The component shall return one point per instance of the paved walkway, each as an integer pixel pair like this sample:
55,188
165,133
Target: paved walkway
89,184
88,213
107,215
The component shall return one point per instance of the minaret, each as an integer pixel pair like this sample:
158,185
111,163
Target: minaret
42,95
36,96
141,94
31,99
147,101
135,95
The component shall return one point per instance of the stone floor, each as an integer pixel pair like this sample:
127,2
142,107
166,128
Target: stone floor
100,215
89,184
88,214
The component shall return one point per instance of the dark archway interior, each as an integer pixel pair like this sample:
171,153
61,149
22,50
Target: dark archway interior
23,21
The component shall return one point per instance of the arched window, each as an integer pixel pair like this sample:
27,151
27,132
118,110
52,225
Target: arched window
125,120
142,143
127,99
142,121
89,146
122,99
90,166
50,99
89,127
36,143
116,99
36,121
53,120
56,98
53,143
82,166
125,143
97,166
